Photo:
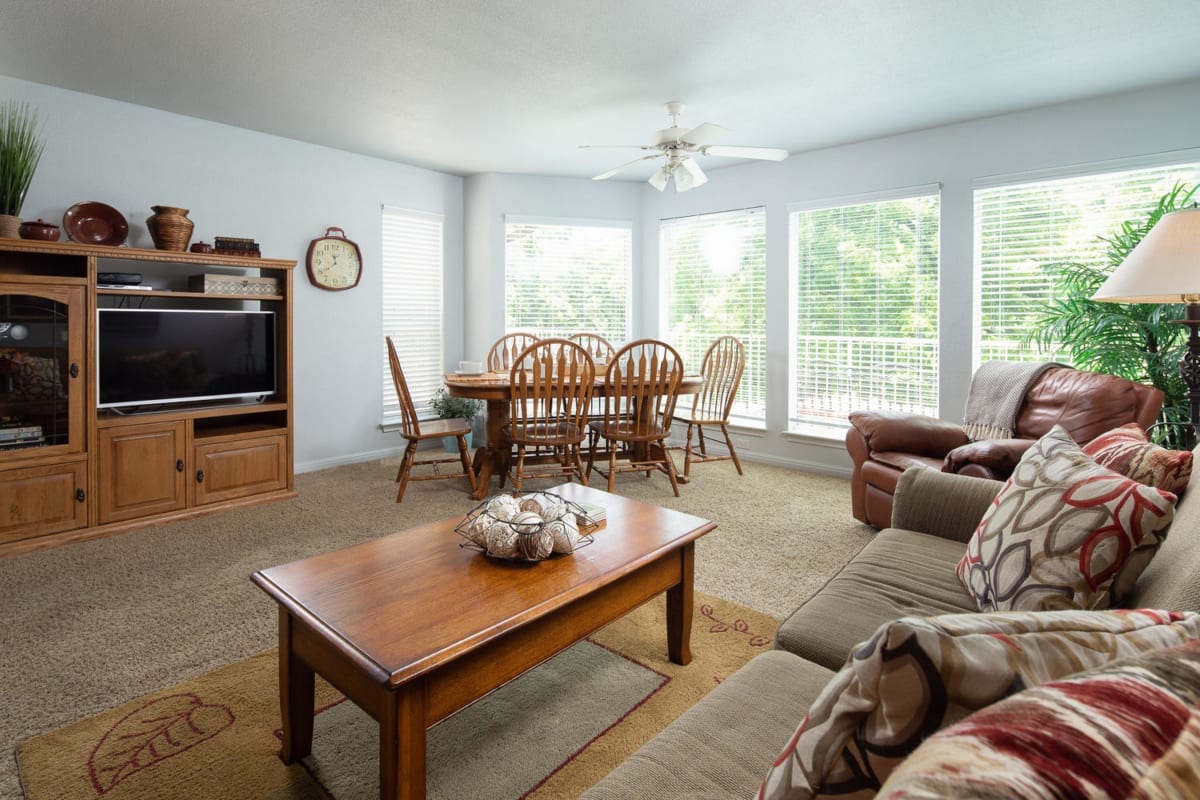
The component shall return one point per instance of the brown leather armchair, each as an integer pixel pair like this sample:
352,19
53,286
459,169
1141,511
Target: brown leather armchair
884,444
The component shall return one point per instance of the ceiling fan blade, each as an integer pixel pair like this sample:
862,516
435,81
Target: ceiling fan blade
702,134
731,151
659,179
610,146
690,176
615,170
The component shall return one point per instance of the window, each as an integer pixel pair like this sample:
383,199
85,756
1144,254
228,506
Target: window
865,309
715,274
412,305
1020,228
563,277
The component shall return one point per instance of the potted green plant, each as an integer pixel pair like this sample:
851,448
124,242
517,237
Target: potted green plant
20,151
447,407
1137,341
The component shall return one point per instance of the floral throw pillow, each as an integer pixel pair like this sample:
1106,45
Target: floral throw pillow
1064,532
1129,730
1127,450
916,676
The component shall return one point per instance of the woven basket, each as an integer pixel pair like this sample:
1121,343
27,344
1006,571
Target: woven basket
170,228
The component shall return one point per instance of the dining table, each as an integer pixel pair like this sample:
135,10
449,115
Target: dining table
494,388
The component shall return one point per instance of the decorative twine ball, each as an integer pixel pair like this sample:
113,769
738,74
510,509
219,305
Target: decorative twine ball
572,523
532,505
503,507
554,511
502,540
477,529
535,546
565,539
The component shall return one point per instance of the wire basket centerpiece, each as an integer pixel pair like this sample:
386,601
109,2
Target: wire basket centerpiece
526,526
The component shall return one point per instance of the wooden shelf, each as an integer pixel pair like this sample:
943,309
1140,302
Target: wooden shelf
179,294
141,254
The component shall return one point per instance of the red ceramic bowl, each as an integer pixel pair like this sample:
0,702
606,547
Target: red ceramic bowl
95,223
39,229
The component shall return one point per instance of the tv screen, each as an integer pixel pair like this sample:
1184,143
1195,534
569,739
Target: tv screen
148,357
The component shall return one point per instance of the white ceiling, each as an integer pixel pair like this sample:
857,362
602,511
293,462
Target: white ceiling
468,86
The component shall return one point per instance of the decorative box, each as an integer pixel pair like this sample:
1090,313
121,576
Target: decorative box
234,284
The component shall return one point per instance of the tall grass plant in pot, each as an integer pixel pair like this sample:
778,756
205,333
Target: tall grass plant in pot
1137,341
447,407
20,151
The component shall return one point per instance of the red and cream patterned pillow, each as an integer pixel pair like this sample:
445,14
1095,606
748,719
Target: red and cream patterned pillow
1064,532
915,676
1128,730
1127,450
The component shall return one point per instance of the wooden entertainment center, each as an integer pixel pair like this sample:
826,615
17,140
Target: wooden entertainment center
71,470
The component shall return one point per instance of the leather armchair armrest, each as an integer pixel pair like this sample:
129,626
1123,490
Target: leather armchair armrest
907,433
987,458
942,505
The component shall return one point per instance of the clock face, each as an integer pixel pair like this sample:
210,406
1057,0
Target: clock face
334,263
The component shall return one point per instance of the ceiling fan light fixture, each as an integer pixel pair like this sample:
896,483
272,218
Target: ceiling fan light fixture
659,179
690,176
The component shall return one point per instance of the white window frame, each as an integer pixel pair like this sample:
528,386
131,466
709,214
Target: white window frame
413,305
625,226
1181,158
742,414
835,426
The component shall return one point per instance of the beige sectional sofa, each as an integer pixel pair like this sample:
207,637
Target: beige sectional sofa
723,746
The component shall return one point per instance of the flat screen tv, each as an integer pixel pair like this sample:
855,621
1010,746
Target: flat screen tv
150,357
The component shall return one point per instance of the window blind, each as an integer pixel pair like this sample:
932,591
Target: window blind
1021,228
412,305
865,310
563,277
715,272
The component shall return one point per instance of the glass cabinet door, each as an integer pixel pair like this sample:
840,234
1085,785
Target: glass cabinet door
41,370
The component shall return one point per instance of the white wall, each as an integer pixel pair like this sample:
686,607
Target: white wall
1160,121
280,192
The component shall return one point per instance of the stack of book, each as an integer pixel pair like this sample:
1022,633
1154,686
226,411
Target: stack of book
21,434
233,246
592,518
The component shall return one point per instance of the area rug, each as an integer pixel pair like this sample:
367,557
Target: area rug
551,733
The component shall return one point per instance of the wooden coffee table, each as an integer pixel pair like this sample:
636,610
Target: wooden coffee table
412,628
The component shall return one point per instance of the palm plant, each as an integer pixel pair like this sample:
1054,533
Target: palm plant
20,152
1137,341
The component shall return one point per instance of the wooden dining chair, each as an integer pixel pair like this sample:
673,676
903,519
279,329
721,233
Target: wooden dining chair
599,348
506,349
722,371
415,431
641,386
551,386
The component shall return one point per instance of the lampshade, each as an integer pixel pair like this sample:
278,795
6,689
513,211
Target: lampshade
1163,268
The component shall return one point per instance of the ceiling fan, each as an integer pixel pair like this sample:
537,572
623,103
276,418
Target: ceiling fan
679,145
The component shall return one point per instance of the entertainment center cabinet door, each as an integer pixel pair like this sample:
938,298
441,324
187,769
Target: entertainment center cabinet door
36,501
142,470
231,469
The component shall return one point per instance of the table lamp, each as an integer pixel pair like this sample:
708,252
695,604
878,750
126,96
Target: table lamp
1165,268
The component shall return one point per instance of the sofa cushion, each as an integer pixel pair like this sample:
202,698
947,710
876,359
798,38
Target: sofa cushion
1136,720
1064,532
899,573
917,675
1128,451
722,746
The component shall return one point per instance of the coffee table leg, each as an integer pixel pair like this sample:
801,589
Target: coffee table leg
402,744
679,610
295,696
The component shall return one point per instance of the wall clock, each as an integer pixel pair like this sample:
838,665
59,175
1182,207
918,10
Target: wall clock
334,262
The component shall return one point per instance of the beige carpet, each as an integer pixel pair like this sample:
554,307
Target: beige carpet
549,734
87,627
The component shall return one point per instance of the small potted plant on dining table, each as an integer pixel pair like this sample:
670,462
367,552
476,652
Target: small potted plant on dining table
447,407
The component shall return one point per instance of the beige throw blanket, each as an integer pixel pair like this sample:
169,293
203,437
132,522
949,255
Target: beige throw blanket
994,399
